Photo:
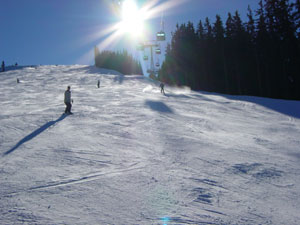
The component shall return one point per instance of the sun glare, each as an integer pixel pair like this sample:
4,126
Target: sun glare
132,19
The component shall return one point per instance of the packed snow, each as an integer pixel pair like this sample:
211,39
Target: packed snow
131,155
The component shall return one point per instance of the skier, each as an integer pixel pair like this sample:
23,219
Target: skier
3,66
18,81
162,90
68,101
98,84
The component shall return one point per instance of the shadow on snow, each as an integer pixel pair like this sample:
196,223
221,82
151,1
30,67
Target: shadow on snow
287,107
283,106
158,106
35,133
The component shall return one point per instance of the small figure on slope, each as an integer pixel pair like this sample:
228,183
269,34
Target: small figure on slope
68,101
98,84
3,66
162,90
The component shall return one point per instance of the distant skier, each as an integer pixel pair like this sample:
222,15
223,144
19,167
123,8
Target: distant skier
68,101
3,66
18,81
162,90
98,84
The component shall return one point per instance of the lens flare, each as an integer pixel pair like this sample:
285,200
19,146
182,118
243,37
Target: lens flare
132,19
165,220
131,22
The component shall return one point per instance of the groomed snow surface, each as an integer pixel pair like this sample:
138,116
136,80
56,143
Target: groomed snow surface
130,155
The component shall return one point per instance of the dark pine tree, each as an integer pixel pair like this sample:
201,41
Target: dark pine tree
220,78
262,51
296,15
282,30
241,53
230,55
254,84
207,50
202,75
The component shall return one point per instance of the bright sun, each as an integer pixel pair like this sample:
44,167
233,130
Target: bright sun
132,19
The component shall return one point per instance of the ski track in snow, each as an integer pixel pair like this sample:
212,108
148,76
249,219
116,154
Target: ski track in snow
129,155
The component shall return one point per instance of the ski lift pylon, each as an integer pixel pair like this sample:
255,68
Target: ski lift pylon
161,35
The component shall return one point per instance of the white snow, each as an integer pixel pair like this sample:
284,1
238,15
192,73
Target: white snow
130,155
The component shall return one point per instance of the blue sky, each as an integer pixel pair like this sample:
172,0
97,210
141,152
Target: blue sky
65,31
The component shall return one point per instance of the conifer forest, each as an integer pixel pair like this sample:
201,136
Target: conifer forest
259,57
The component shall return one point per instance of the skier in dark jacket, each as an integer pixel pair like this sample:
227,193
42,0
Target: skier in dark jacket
162,90
3,66
68,100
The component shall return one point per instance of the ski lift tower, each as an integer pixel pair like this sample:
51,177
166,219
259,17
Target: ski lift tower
160,36
151,45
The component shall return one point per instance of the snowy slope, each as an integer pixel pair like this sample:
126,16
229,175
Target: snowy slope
130,155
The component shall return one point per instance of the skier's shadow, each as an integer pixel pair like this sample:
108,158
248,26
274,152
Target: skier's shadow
35,133
158,106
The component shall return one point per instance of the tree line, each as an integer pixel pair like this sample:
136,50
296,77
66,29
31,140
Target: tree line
259,57
122,62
